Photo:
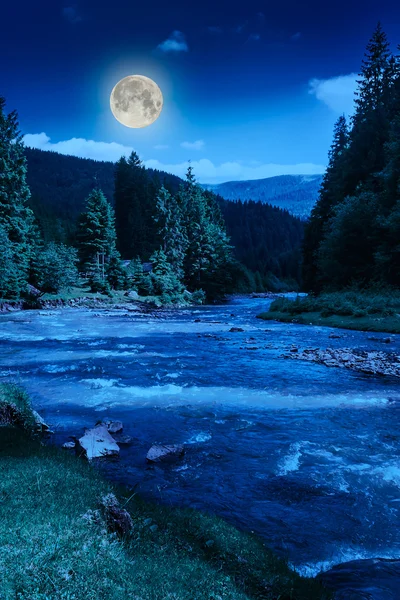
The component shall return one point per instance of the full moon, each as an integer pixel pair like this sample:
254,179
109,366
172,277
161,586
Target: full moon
136,101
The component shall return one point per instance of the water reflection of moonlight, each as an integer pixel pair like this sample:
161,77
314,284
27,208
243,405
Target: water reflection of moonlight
136,101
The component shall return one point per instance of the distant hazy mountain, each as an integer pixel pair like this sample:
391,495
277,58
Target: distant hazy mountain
295,193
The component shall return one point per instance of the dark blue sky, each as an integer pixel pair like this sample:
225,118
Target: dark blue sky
251,89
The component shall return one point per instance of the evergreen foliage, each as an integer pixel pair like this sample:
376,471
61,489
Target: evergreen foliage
352,235
171,230
55,268
16,219
96,229
96,239
135,207
265,239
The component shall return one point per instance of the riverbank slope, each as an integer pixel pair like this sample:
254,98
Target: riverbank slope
57,539
361,311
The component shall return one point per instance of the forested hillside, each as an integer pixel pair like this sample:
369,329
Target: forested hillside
59,185
354,231
294,193
265,239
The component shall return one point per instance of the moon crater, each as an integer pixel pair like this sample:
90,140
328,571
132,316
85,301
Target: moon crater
136,101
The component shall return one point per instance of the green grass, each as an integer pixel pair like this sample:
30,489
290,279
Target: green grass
15,407
360,310
50,549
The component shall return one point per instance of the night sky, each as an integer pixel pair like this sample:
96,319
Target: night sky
251,89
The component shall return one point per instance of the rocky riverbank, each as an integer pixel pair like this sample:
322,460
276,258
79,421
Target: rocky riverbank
373,363
7,306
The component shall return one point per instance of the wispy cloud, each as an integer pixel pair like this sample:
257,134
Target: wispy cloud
336,92
79,147
206,171
296,36
161,146
197,145
214,29
71,14
176,42
253,37
241,27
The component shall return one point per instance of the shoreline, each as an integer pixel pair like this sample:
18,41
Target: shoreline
64,502
377,325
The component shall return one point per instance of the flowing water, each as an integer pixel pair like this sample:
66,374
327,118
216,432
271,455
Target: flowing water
306,456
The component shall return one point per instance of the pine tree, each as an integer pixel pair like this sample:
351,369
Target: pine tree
96,232
331,195
135,197
208,262
16,219
370,123
8,269
346,255
171,230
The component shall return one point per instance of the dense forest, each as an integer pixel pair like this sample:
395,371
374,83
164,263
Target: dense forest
352,237
57,225
265,239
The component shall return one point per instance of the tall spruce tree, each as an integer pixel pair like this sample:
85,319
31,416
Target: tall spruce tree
171,230
135,198
330,196
16,219
208,262
351,236
96,233
370,122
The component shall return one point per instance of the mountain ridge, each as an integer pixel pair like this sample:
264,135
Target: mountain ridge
294,193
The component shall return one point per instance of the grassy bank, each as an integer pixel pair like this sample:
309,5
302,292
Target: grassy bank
363,311
54,541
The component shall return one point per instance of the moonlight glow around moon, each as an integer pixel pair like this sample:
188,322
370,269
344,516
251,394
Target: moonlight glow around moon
136,101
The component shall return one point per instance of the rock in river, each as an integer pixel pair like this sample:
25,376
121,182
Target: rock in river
158,453
98,443
113,426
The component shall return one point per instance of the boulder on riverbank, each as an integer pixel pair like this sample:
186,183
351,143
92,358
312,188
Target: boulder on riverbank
159,453
117,518
98,443
40,424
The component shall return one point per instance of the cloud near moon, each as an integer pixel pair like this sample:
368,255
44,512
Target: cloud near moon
136,101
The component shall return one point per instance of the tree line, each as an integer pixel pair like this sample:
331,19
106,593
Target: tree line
265,239
181,232
352,237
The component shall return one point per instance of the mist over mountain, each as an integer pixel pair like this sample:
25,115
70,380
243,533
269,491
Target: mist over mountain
294,193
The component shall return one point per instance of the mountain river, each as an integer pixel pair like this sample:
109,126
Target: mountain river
306,456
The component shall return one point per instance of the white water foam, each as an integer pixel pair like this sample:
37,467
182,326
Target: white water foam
344,555
199,438
59,368
291,462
